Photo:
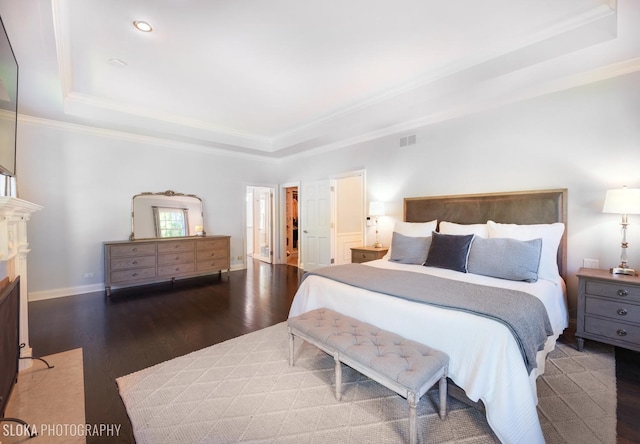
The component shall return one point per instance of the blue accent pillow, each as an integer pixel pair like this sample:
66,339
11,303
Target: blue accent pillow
506,258
449,251
409,250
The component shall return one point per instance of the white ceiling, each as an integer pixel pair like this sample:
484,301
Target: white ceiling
279,77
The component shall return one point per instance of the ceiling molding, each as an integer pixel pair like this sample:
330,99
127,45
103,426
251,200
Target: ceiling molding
596,18
554,86
138,138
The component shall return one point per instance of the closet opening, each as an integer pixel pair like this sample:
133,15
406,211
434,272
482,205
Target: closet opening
291,225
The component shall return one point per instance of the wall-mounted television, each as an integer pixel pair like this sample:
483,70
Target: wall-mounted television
8,105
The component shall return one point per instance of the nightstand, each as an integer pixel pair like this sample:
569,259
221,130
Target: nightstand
608,308
366,254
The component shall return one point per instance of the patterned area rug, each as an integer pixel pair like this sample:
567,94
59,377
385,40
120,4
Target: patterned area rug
243,390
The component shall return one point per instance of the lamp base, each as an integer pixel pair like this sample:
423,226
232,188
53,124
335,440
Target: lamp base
377,245
626,271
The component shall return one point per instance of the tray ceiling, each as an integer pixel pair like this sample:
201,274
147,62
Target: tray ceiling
280,77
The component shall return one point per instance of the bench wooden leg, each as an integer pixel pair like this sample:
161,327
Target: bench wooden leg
336,358
413,423
443,396
291,339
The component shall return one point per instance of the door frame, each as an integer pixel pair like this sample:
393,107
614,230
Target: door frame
274,222
282,222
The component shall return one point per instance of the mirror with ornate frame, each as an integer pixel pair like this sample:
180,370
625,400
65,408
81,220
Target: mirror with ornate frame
166,214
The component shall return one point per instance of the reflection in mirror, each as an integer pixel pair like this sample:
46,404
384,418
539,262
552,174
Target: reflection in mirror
166,214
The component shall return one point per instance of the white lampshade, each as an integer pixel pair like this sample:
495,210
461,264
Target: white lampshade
376,209
622,201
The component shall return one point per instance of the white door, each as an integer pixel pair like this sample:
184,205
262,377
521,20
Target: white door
348,216
316,224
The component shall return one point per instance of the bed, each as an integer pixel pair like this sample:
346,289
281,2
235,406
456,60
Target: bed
485,360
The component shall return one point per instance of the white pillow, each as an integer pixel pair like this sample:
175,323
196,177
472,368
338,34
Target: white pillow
452,228
550,235
413,229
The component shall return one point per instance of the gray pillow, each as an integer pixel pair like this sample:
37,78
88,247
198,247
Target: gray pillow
449,251
506,258
409,250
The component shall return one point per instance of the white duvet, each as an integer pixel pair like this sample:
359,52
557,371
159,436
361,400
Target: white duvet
484,357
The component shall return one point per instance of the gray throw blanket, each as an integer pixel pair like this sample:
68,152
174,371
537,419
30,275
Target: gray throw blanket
524,314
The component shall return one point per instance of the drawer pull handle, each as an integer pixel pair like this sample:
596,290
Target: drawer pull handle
622,332
135,262
134,274
134,249
622,311
622,292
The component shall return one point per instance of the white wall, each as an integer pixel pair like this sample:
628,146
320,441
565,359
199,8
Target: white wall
85,180
586,139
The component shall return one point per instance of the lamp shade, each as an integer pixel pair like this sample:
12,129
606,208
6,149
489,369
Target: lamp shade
376,209
622,201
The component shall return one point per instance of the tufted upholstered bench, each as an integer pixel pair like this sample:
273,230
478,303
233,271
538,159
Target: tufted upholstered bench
407,367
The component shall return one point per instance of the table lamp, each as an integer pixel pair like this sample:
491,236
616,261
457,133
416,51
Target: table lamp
376,209
623,201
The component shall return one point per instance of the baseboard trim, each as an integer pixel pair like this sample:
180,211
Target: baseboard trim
82,289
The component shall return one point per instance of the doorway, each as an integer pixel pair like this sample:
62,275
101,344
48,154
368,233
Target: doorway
291,219
259,223
348,220
331,219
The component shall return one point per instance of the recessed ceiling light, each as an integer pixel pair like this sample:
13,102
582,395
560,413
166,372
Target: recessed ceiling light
142,26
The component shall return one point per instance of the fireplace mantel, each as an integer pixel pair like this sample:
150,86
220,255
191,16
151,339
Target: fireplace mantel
14,246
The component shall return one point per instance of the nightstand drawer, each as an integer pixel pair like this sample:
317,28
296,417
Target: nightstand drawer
618,331
614,290
616,310
363,256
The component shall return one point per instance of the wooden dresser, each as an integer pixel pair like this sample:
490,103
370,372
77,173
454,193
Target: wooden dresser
608,308
146,261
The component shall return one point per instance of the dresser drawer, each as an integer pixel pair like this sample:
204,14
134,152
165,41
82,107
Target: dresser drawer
211,265
123,263
613,290
618,331
146,249
211,244
212,254
176,246
176,258
617,310
176,270
133,275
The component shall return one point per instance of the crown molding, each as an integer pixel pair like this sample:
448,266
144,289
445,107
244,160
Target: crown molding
138,138
557,85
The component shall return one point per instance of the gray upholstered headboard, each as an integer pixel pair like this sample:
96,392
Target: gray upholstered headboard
519,207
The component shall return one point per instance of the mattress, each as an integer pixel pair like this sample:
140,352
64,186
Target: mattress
485,359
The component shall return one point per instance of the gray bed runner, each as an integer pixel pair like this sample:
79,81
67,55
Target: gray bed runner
524,314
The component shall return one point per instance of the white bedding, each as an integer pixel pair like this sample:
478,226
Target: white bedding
484,357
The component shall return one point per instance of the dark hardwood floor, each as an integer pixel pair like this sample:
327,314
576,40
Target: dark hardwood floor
142,327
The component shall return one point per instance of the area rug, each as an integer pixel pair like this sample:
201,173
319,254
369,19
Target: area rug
243,390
